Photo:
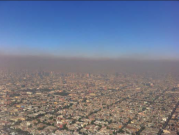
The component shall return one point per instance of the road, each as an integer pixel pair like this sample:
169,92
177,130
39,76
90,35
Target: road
166,123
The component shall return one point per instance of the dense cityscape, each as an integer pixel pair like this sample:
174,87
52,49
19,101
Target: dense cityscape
56,103
89,67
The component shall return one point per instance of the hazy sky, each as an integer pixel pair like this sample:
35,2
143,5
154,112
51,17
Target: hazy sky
90,29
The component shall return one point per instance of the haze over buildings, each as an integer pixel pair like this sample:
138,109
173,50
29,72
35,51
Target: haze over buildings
89,68
87,65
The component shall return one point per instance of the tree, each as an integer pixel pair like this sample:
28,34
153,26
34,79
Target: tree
79,119
143,108
110,121
121,131
40,128
100,126
73,121
65,127
92,122
18,129
38,120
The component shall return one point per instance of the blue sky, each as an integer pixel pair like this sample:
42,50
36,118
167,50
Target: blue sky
90,28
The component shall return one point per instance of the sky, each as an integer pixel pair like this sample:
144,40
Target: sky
94,29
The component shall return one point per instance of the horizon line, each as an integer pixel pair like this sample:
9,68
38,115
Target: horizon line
50,56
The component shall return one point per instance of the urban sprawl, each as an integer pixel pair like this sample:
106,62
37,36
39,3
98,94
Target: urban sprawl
55,103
